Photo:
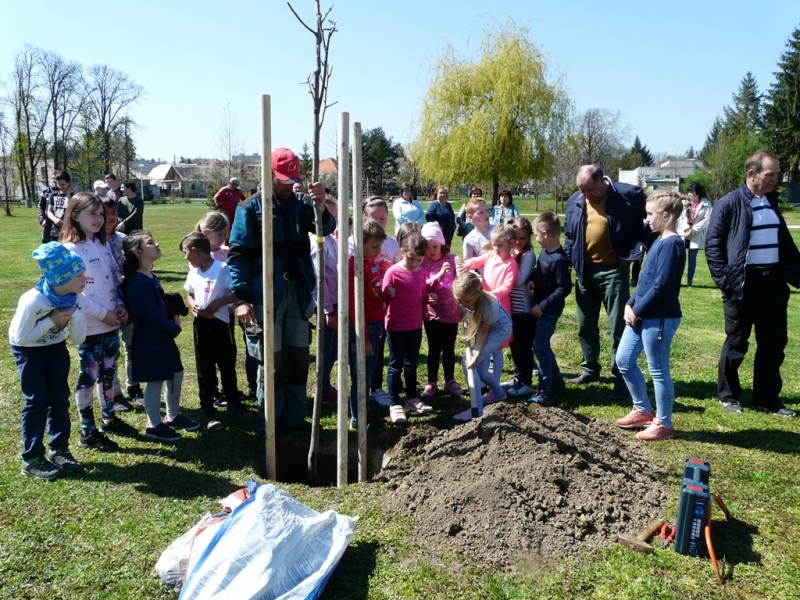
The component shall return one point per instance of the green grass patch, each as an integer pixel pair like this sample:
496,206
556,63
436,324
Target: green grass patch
99,535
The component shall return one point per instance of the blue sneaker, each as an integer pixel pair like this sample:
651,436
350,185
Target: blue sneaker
162,432
542,397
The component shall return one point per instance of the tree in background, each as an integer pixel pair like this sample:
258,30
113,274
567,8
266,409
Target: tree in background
638,156
746,114
733,139
306,162
408,170
599,135
379,156
782,118
490,119
109,92
6,164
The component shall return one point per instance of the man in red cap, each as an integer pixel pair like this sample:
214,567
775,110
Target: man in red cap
228,198
292,283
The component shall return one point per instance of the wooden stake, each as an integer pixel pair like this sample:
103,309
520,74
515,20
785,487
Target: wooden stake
268,368
361,367
343,310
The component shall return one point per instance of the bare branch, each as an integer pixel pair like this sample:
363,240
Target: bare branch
301,20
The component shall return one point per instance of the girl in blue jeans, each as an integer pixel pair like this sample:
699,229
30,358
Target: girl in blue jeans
653,315
490,324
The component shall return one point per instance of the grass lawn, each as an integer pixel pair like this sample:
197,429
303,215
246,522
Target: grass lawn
100,534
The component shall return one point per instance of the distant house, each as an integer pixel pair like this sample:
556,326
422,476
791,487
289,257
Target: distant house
667,176
329,166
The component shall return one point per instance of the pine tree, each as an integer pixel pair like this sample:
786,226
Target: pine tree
711,139
638,148
747,114
782,115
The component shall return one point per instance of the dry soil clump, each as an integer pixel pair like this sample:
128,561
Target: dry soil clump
524,480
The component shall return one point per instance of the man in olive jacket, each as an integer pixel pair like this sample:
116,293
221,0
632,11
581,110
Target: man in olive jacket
752,259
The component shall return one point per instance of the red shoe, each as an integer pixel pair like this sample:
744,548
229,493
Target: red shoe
636,419
655,432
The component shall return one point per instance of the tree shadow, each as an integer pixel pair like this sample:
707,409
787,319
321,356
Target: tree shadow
695,389
771,440
350,579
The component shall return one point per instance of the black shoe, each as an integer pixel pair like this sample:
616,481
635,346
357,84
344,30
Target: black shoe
97,440
238,410
183,422
619,393
64,460
584,378
117,426
731,405
121,404
219,400
40,468
775,408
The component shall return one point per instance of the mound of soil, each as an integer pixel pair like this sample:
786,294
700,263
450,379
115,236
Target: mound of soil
524,480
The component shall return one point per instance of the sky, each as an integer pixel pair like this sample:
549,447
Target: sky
668,67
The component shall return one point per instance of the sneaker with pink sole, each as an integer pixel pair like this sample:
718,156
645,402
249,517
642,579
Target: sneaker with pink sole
490,397
655,432
415,405
430,390
397,414
452,387
637,419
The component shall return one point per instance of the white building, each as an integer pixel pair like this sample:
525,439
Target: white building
667,176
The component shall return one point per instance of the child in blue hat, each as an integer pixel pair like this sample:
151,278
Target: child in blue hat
37,335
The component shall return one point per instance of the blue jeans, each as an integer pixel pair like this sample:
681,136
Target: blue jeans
374,332
655,337
549,373
691,263
44,378
403,358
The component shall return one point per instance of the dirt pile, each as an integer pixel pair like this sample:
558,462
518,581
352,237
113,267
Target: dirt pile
524,480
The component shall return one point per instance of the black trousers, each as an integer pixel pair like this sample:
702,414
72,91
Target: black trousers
523,327
441,343
764,303
214,346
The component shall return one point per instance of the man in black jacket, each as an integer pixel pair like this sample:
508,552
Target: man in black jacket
752,258
604,231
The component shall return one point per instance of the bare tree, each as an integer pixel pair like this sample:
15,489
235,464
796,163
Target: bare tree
230,145
318,80
109,93
31,109
6,165
599,135
318,88
62,81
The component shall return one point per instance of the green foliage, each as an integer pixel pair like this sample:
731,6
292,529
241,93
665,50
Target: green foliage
782,114
747,114
379,156
725,163
638,156
306,162
490,118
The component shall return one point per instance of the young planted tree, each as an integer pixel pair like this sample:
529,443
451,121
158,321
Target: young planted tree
490,119
318,88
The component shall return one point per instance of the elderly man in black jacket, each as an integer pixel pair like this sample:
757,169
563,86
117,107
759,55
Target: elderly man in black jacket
604,231
752,258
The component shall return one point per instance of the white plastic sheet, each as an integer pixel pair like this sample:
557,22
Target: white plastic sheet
270,547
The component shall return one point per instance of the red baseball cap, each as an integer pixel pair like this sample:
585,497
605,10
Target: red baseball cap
286,165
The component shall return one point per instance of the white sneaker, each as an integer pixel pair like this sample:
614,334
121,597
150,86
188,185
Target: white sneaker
520,389
507,385
415,405
397,414
466,415
380,397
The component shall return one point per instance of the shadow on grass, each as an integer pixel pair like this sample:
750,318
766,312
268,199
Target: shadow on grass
163,480
771,440
351,577
697,390
734,542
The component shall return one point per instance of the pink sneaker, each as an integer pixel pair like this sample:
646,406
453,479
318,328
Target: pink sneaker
636,419
415,405
397,414
655,432
452,387
490,397
430,390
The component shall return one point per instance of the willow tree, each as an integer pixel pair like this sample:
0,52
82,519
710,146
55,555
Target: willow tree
494,117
